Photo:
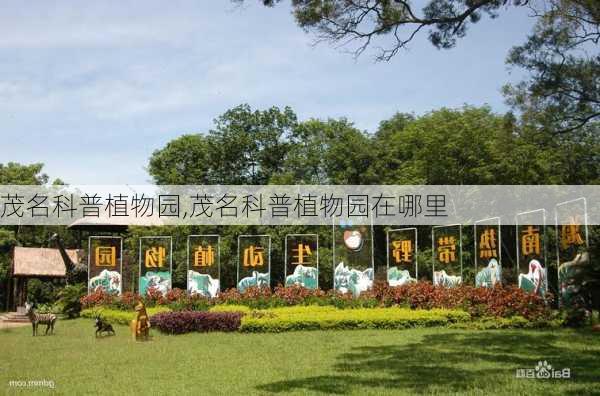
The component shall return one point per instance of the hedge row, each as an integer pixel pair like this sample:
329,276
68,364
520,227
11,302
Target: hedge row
479,302
116,316
330,318
190,321
228,318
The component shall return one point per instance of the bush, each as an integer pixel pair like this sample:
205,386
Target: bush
191,321
499,301
55,308
329,318
515,322
115,316
70,299
231,308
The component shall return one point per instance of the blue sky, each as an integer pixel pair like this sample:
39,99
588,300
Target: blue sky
91,89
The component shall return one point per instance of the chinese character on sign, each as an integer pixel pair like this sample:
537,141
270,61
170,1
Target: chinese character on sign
106,256
570,234
301,254
155,257
446,249
253,256
402,251
204,256
487,244
530,241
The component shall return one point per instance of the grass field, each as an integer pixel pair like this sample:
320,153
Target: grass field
361,362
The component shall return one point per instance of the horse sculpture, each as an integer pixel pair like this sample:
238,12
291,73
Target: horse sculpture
140,326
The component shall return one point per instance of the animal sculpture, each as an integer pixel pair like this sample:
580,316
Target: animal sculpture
397,277
347,279
157,282
303,276
109,281
202,284
103,327
490,275
535,280
140,326
440,278
257,279
48,319
567,272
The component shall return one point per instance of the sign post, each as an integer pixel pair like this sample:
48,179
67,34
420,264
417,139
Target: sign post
203,265
254,261
446,246
488,252
156,263
402,249
302,260
105,264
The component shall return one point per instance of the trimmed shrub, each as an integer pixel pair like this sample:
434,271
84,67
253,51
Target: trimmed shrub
515,322
192,321
329,318
231,308
115,316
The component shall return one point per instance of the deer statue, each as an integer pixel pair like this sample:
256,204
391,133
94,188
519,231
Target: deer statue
35,319
140,326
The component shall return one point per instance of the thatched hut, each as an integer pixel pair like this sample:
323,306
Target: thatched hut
42,263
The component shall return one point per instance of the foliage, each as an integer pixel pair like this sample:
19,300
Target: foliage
506,302
70,299
562,90
55,308
514,322
231,308
502,302
395,23
175,299
115,316
329,318
190,321
43,291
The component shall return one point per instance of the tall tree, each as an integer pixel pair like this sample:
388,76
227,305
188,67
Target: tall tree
397,22
562,57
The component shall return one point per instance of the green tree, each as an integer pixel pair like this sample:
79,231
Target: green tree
562,91
185,160
13,173
327,152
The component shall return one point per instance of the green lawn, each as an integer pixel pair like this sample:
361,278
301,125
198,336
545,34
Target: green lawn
360,362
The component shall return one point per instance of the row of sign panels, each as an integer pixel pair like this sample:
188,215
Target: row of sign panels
352,255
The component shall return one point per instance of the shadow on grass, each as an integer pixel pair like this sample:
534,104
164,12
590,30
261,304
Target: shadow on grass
454,362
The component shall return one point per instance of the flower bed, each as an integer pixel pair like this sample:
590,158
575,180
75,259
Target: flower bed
499,302
191,321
